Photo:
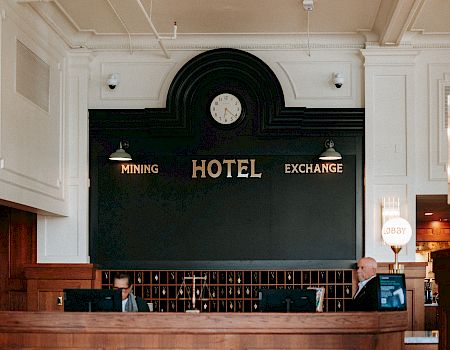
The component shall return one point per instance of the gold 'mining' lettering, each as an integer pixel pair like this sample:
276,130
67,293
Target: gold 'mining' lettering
139,168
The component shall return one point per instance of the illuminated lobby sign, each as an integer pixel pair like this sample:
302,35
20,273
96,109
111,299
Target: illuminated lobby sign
240,168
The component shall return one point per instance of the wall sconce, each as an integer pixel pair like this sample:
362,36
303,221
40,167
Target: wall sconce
330,153
338,80
113,80
120,154
396,233
390,210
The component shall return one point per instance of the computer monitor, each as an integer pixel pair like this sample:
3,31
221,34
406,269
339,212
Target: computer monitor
391,292
287,300
93,300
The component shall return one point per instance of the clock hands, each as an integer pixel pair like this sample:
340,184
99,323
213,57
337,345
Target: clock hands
227,110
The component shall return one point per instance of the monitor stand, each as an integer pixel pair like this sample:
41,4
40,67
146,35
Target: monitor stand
288,302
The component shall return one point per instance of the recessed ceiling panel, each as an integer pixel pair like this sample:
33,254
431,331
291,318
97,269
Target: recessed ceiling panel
434,17
92,15
224,16
263,16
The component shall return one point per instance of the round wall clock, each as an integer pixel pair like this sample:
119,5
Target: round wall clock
226,108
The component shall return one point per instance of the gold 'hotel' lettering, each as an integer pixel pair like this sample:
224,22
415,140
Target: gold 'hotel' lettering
314,168
139,168
214,168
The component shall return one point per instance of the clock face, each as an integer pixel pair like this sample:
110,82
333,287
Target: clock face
226,109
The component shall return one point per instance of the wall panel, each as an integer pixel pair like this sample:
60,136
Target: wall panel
32,159
438,80
390,151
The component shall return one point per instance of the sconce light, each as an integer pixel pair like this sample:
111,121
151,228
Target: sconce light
338,80
396,233
390,209
113,81
120,154
330,153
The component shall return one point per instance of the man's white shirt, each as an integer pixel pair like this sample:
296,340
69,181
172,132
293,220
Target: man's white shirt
361,285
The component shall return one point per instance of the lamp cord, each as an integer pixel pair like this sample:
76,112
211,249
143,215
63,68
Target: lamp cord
307,21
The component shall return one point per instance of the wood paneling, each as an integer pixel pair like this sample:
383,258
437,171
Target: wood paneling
358,330
50,301
4,253
17,300
421,346
441,268
60,271
22,242
45,283
431,318
433,231
414,276
17,249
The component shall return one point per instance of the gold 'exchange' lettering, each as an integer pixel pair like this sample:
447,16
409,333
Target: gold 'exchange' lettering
231,167
313,168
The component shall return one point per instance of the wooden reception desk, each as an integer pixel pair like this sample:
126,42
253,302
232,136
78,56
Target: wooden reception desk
54,330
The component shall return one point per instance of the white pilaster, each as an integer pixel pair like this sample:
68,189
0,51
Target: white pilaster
389,145
66,239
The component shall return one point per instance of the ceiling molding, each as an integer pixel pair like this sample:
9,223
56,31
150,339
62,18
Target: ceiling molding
205,42
400,17
249,25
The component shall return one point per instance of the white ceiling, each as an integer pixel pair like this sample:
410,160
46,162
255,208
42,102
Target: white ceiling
97,24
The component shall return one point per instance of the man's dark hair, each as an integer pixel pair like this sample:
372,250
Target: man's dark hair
121,275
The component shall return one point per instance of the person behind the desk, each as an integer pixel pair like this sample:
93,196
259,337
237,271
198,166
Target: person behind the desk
366,297
130,302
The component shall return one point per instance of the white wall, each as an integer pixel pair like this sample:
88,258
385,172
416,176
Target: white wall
406,138
43,154
406,145
432,74
66,239
390,143
306,80
32,143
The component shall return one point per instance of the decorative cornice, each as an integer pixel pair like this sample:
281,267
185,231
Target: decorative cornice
208,42
432,46
268,42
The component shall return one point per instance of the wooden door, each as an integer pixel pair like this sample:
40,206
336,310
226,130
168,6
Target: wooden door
17,249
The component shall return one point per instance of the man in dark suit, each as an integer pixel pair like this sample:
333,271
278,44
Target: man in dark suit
366,296
130,302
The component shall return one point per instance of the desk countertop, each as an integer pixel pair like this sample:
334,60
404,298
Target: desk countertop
421,337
